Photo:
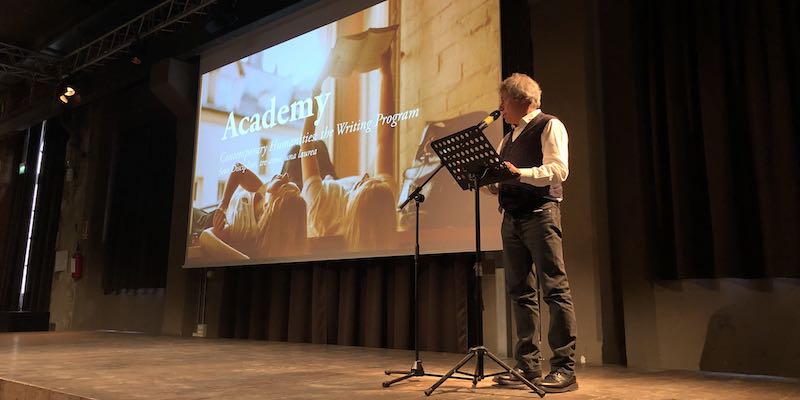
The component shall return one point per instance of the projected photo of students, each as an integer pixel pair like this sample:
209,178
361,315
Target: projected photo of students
337,121
254,220
360,209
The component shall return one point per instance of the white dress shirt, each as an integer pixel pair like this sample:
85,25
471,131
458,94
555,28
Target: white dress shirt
555,160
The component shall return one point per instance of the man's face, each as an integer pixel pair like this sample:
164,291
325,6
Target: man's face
512,110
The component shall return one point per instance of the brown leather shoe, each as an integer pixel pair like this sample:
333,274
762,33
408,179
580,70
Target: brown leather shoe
559,382
509,379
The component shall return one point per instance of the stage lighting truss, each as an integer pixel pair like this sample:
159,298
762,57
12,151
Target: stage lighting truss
167,16
27,64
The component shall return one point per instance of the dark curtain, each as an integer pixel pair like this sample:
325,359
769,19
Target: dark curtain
351,302
141,184
46,218
16,192
719,101
517,40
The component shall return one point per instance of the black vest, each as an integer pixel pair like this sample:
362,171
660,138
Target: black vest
519,198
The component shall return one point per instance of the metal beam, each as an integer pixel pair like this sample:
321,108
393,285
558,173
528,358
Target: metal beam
152,21
25,63
33,66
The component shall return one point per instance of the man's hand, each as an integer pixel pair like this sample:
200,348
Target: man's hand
512,168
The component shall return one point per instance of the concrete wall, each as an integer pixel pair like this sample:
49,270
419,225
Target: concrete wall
174,83
81,304
732,325
563,56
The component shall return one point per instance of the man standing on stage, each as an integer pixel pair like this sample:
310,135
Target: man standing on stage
531,232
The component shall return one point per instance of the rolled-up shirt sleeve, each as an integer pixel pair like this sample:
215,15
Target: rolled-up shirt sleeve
555,160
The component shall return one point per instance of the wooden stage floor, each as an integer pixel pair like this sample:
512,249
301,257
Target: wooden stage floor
120,366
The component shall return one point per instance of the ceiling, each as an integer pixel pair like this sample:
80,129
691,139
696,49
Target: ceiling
42,32
58,26
42,42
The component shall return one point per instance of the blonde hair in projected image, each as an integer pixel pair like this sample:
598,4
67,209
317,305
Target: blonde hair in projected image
370,220
325,214
282,228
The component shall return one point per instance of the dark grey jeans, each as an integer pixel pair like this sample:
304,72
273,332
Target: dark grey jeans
531,250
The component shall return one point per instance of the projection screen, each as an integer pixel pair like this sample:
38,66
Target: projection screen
307,145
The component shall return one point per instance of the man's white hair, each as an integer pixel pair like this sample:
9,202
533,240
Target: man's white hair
522,88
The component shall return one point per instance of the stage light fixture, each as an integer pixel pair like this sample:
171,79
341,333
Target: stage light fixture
137,52
69,94
140,51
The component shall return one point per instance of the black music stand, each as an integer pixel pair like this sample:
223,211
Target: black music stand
473,162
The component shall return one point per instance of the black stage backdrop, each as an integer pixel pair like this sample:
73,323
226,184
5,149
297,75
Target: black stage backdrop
139,189
719,98
351,302
702,100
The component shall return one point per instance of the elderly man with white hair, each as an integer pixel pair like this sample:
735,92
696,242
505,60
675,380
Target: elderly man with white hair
536,149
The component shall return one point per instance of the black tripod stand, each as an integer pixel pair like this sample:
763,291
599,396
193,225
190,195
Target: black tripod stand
416,369
473,162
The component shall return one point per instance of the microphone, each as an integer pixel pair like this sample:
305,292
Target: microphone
489,119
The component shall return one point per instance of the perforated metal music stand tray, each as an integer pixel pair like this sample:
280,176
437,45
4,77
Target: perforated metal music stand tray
469,155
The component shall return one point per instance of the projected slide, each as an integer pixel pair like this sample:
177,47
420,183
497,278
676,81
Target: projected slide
305,149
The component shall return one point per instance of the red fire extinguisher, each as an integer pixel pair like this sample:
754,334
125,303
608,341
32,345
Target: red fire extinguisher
77,264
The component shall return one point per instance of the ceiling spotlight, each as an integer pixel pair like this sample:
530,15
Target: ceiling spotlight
138,52
69,95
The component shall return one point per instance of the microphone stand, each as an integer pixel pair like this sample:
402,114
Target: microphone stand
416,368
416,195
